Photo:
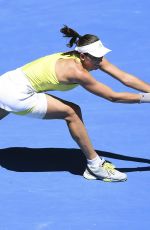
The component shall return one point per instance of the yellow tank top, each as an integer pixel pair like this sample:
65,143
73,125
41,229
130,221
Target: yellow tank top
42,76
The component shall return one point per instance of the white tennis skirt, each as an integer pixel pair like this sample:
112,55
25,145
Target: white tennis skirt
18,96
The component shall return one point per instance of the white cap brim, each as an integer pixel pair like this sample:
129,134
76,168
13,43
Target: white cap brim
96,49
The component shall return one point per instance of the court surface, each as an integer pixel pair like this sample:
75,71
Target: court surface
41,183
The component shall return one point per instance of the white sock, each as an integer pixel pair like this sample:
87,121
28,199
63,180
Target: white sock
95,162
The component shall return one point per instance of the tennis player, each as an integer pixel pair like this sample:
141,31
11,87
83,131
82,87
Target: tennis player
22,91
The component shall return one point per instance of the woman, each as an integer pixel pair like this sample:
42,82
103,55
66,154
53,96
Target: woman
21,93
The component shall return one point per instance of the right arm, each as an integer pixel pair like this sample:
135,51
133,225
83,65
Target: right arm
95,87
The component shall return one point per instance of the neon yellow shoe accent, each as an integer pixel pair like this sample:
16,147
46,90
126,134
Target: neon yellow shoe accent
110,167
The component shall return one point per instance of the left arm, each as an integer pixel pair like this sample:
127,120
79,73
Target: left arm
126,78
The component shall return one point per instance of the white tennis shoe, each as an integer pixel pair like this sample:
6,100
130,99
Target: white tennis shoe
105,172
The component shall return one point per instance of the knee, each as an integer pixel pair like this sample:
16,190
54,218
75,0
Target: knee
76,109
73,112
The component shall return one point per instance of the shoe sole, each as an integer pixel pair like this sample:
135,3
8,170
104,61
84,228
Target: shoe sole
88,176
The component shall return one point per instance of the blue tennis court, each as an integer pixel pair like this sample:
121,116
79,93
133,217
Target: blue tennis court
41,182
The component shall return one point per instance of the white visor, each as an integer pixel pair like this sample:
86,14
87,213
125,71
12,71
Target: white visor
96,49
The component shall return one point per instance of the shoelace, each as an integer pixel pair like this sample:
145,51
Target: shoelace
108,166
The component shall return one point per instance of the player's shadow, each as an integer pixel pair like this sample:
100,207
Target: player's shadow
56,159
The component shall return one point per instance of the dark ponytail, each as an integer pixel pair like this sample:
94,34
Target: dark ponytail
77,39
70,33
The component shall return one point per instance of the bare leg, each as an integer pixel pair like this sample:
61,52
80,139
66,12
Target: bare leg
71,113
3,113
